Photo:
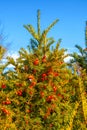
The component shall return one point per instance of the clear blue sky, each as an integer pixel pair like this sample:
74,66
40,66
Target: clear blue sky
72,15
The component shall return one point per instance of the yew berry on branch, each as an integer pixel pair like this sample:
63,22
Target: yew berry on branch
41,92
44,59
36,61
5,111
3,86
7,102
19,92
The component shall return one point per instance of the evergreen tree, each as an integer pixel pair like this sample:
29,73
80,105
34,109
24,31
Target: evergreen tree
79,63
41,93
80,58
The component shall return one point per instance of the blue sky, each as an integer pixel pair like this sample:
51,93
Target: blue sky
72,15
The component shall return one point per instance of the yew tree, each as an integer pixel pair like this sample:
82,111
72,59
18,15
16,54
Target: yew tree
41,92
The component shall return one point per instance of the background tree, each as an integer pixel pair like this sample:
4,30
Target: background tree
79,64
80,58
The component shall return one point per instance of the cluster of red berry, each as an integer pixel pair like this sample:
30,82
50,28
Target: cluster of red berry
7,102
5,111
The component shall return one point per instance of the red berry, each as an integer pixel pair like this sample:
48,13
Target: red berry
31,93
32,84
28,111
59,94
55,74
3,86
5,111
8,102
27,122
42,79
42,94
18,84
49,98
19,92
44,75
54,88
50,71
36,62
44,59
31,77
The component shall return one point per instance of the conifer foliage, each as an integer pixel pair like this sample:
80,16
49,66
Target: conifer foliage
41,92
81,57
